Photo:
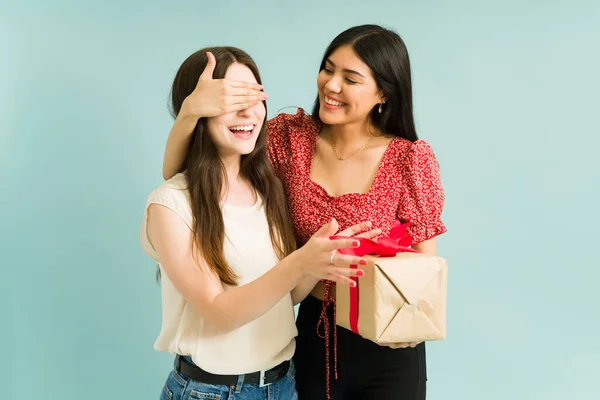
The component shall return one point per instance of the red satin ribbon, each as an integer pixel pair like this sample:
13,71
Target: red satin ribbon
398,241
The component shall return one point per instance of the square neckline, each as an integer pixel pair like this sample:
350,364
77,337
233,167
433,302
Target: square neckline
318,186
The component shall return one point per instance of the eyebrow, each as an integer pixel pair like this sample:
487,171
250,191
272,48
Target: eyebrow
350,71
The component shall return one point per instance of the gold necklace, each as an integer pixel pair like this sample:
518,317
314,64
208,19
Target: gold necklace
339,157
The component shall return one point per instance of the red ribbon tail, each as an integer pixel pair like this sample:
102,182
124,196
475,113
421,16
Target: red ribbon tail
353,315
323,319
335,345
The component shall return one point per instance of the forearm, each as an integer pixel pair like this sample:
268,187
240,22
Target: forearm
230,308
177,143
303,289
428,247
238,306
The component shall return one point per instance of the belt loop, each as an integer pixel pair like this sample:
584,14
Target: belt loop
240,384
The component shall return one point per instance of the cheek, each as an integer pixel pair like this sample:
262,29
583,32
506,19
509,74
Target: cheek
364,99
321,80
215,127
259,111
211,125
215,122
262,111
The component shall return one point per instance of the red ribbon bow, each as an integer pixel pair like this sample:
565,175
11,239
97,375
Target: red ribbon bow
398,241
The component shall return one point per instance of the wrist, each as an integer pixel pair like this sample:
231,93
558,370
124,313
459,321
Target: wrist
295,267
189,110
186,122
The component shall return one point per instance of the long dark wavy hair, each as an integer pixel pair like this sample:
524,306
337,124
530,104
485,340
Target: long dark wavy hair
385,53
206,175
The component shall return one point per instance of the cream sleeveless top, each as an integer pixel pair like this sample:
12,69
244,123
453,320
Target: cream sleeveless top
258,345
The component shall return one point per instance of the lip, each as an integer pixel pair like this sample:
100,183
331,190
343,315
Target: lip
246,135
331,106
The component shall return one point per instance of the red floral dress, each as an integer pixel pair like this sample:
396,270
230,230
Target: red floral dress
406,187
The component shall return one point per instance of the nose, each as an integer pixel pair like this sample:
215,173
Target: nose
245,112
333,84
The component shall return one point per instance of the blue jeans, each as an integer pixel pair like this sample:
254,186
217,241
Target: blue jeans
179,387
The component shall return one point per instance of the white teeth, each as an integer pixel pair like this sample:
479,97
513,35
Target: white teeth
242,128
333,102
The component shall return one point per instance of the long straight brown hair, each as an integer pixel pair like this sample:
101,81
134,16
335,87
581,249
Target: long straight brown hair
206,175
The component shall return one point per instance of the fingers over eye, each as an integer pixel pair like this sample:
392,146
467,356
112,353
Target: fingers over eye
245,85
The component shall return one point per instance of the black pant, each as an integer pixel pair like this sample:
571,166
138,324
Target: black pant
366,371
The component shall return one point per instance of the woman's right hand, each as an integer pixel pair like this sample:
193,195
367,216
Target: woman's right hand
316,255
213,97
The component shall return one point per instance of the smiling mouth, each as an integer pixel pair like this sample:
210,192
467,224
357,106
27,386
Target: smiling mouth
333,103
242,131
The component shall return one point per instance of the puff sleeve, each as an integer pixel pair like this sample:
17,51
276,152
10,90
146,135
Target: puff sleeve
423,195
278,143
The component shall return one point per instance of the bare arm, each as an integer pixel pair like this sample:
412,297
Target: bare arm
228,310
177,144
303,289
428,247
210,98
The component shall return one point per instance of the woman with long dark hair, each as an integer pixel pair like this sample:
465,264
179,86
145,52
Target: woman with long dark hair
230,271
356,158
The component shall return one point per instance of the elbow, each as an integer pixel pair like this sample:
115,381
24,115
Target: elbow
428,247
165,174
218,321
222,327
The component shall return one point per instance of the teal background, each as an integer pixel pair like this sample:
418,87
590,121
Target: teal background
505,91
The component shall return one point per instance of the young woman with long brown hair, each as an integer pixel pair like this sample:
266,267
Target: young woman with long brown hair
230,271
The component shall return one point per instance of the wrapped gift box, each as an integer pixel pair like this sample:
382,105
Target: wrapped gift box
399,299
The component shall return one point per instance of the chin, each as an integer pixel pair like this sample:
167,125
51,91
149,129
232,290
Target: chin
329,119
246,150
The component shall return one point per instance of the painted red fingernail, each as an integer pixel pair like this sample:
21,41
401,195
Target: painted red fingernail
352,284
360,272
356,243
363,262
